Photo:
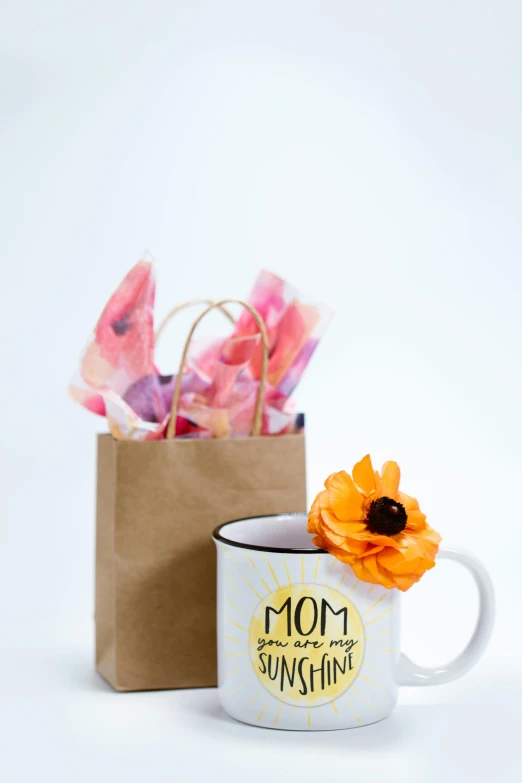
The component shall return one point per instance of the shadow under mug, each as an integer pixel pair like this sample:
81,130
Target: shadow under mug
303,644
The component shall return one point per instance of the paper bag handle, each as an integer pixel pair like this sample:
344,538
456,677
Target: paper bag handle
258,412
182,306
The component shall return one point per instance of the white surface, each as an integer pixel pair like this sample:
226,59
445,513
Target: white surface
369,152
66,724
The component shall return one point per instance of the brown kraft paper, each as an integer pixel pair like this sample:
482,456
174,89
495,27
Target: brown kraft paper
157,504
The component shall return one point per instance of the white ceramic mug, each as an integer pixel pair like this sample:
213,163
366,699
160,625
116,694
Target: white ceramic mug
303,644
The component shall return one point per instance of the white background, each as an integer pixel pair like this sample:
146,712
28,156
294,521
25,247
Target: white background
370,153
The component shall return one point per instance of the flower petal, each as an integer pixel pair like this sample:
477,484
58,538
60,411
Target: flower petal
314,517
416,520
339,554
319,542
391,476
363,475
429,539
362,573
377,575
399,562
404,583
351,529
372,548
345,500
378,540
337,533
409,503
373,565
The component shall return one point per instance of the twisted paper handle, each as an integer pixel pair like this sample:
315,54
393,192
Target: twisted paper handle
258,412
182,306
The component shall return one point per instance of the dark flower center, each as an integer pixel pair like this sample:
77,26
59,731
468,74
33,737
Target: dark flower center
386,517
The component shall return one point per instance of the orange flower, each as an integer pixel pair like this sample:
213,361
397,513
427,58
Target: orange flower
364,520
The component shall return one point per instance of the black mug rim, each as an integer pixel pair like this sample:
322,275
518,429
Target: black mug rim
217,536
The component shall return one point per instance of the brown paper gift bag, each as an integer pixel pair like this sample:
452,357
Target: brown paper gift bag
157,504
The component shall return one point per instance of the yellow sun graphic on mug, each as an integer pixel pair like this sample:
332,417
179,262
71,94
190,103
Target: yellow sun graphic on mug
306,644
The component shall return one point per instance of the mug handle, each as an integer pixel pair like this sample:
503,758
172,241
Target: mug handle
411,674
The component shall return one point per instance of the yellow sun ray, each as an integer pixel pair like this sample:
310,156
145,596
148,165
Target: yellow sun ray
278,713
235,655
370,682
232,604
342,578
309,718
287,571
375,604
352,709
234,671
371,588
379,617
368,702
268,590
254,697
302,569
389,650
249,560
236,625
240,688
254,590
233,638
232,581
385,633
261,713
334,708
274,577
352,588
362,677
316,569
